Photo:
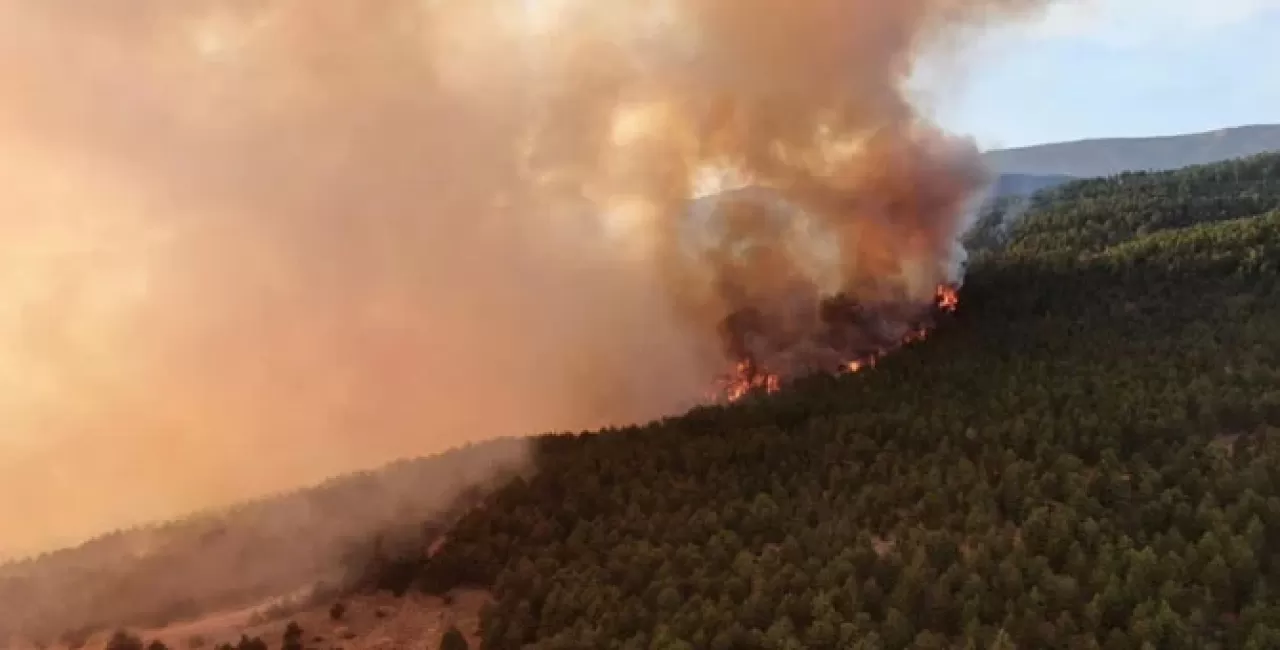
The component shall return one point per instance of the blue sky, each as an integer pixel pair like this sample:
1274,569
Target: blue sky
1101,68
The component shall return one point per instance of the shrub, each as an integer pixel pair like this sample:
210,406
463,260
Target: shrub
454,640
122,640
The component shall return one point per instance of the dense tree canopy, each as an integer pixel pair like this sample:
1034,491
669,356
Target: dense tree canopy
1089,216
1086,455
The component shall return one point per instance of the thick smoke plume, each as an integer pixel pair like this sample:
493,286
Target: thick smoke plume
249,243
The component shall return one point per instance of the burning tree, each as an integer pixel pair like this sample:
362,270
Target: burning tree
852,337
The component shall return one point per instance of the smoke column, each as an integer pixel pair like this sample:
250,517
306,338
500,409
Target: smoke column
250,243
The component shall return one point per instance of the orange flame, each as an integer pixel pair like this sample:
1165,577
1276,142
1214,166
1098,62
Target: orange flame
743,380
746,377
947,298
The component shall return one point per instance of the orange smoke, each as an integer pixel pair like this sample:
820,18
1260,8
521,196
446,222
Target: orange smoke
250,243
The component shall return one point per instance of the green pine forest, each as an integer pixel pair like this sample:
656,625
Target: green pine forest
1085,455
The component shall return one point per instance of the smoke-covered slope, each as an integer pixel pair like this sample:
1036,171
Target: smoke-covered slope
1082,456
155,575
1107,156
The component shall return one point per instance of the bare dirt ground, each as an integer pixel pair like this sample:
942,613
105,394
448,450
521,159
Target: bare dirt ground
373,622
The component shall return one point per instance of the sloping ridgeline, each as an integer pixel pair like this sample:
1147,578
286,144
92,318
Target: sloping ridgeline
1086,456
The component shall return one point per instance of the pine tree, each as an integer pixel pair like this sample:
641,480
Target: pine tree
1003,641
292,637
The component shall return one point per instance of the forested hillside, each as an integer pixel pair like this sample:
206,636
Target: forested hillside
1086,455
1092,214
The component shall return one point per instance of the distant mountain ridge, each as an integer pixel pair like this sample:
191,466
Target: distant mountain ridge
1110,156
